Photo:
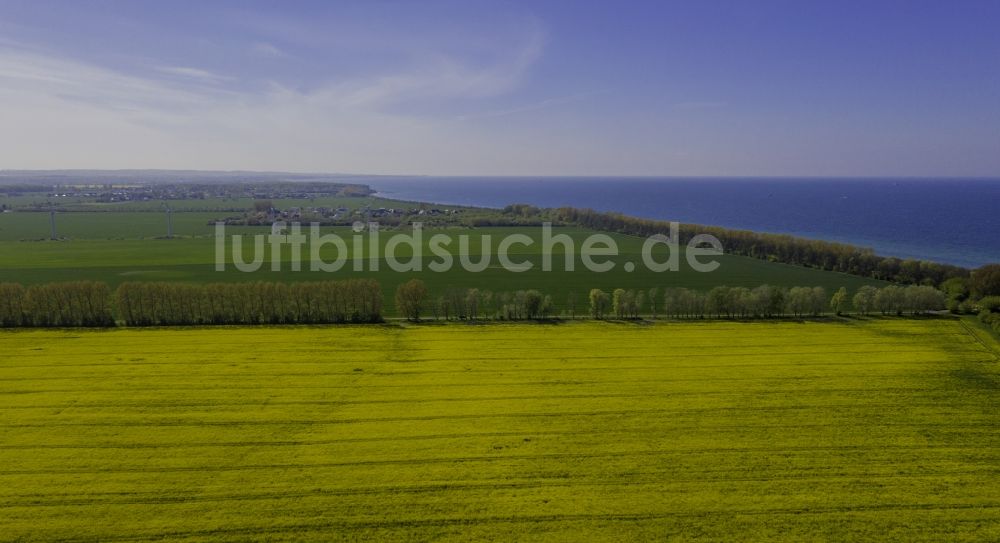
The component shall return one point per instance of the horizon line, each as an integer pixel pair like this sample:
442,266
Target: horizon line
15,171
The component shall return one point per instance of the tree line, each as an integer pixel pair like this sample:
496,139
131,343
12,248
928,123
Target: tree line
826,255
315,302
989,312
75,303
978,294
89,303
413,301
764,301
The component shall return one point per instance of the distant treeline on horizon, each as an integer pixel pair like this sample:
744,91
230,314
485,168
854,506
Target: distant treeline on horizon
782,248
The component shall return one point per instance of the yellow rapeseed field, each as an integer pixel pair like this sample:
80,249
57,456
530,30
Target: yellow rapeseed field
881,429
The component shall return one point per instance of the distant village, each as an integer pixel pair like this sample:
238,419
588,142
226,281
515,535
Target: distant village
249,203
266,214
111,193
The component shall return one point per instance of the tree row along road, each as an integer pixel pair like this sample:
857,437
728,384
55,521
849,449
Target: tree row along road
93,304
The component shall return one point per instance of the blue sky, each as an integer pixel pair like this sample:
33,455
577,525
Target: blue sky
504,88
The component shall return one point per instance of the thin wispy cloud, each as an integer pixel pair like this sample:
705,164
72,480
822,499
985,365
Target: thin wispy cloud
60,99
443,77
440,77
33,75
193,73
706,104
531,107
267,50
443,87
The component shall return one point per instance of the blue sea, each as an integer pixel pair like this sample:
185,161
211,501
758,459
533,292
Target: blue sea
956,221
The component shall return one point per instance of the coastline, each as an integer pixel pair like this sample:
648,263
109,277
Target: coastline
826,209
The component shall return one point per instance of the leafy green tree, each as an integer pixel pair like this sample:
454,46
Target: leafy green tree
839,301
864,299
799,301
619,303
740,301
684,303
410,298
909,271
890,300
923,298
599,303
717,301
672,302
12,309
533,304
985,281
768,301
956,291
457,301
472,299
818,301
653,297
519,304
990,304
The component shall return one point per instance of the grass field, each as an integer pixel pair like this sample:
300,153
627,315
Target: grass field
224,206
114,253
876,430
125,242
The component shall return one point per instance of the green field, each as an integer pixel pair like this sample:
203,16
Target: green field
877,430
124,246
218,206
